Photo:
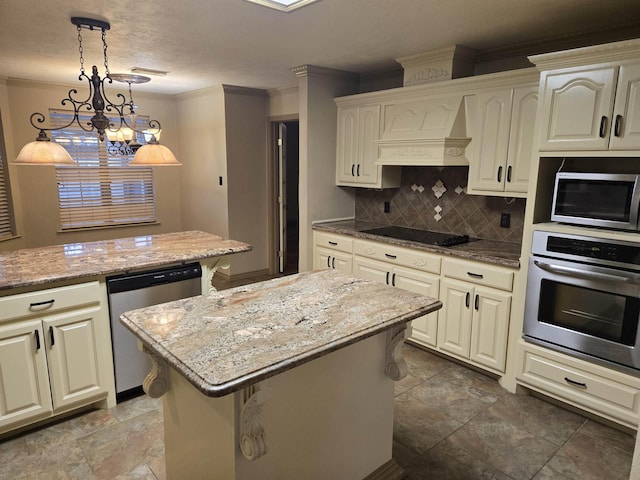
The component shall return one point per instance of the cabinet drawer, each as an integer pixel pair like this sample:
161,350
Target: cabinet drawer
333,241
479,273
592,386
50,300
393,255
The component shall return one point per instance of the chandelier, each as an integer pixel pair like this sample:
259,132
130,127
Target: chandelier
44,151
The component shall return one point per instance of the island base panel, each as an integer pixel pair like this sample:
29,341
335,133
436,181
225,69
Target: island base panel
329,418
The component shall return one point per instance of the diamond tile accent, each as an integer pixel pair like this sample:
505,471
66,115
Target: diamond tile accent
439,189
460,190
421,189
437,208
414,187
438,217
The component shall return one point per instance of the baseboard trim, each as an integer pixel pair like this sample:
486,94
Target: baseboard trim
389,471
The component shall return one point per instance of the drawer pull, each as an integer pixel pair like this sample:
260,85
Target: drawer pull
53,340
388,255
335,244
475,275
603,126
574,383
617,131
37,334
47,303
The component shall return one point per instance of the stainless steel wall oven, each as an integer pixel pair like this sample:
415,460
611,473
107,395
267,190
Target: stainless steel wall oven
583,298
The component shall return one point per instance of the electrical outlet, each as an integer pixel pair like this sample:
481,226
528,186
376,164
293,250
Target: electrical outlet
505,220
387,207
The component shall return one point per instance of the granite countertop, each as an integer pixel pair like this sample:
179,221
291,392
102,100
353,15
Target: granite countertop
489,251
234,338
34,266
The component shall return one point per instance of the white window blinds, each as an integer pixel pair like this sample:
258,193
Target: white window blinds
6,217
102,191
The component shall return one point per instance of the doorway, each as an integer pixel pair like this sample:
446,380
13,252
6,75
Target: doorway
284,205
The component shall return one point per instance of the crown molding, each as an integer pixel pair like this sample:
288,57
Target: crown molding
315,71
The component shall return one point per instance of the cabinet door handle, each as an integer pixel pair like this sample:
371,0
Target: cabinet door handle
603,126
358,171
52,338
509,174
333,262
393,279
476,302
574,383
466,300
617,129
42,304
37,335
387,279
388,255
328,261
499,173
475,275
352,170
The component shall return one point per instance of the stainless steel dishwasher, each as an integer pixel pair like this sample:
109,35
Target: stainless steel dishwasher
139,290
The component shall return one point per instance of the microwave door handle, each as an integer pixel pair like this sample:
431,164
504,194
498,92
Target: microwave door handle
577,272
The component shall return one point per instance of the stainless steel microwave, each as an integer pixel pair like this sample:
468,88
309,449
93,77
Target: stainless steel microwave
597,200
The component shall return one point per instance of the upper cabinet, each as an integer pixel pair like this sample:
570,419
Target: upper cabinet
591,108
357,152
501,123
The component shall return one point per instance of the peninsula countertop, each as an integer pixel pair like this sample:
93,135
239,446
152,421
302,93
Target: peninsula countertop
34,266
231,339
489,251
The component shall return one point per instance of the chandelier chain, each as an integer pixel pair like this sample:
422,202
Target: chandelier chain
104,46
81,50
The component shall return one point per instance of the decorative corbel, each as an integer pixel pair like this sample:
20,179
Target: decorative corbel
252,436
395,365
156,383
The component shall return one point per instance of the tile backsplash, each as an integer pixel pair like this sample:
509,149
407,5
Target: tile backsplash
434,198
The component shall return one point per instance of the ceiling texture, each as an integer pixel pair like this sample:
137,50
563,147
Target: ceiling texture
203,43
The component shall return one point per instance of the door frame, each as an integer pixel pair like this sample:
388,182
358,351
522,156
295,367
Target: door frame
272,190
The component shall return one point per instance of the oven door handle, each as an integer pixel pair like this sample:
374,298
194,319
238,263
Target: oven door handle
577,272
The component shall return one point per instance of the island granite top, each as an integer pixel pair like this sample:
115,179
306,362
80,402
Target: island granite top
489,251
231,339
34,266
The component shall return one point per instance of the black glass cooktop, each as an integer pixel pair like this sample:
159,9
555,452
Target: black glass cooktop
421,236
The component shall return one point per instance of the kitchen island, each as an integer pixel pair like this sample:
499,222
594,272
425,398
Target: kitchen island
286,379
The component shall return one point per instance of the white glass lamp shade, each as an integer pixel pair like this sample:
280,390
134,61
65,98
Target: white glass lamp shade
154,154
44,152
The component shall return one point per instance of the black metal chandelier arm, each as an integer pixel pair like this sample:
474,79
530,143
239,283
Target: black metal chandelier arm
40,119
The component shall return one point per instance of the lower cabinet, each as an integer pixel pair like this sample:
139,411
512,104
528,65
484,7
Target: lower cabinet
423,329
49,358
474,323
332,251
597,389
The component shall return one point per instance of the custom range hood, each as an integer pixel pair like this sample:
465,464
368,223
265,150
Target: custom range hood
422,128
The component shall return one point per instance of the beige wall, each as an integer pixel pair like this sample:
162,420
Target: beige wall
320,198
284,102
34,187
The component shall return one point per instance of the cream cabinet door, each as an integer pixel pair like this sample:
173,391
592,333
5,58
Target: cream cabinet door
24,382
521,139
490,327
327,258
626,112
487,168
577,107
372,270
423,329
367,172
73,362
454,329
347,145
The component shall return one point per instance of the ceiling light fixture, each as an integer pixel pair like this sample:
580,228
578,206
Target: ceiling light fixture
44,151
283,5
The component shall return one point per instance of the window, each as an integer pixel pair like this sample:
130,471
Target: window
7,226
103,190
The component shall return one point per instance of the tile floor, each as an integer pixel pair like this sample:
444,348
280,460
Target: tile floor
450,423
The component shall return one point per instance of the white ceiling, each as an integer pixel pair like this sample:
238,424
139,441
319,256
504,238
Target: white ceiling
211,42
